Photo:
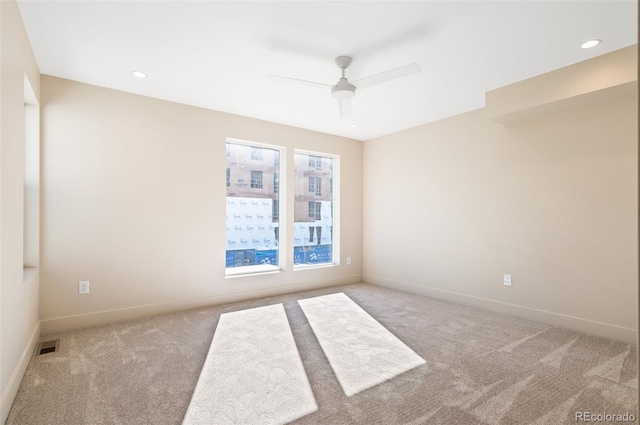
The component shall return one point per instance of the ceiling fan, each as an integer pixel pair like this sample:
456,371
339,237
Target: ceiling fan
343,90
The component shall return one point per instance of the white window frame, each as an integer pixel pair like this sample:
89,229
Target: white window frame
283,261
335,243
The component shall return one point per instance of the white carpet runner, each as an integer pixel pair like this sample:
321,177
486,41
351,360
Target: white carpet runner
253,373
362,352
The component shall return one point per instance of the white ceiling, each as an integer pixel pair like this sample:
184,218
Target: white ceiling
217,55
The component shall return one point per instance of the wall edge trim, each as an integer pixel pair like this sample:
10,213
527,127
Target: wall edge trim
18,373
79,321
592,327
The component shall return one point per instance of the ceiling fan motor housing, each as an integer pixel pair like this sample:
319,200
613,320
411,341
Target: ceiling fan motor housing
343,90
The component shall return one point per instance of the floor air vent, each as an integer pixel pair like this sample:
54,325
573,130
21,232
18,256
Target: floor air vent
45,347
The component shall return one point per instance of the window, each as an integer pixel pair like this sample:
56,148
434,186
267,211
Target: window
253,209
315,162
276,159
256,179
31,215
256,154
313,210
315,185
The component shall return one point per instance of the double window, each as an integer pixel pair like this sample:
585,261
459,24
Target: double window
254,210
315,162
256,179
315,185
315,210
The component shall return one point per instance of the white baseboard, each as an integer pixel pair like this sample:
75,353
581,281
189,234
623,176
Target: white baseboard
61,324
605,330
16,377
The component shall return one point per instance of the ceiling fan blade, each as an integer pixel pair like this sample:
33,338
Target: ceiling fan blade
297,81
383,77
345,108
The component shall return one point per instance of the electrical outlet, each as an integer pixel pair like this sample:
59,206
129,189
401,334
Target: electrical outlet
83,287
348,260
507,280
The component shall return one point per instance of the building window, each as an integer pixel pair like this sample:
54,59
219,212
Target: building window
253,210
256,154
315,185
276,159
315,162
228,150
311,229
313,210
256,179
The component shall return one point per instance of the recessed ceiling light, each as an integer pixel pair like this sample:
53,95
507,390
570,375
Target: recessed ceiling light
589,44
353,125
139,74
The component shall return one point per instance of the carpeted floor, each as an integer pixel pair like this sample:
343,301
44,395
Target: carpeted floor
481,368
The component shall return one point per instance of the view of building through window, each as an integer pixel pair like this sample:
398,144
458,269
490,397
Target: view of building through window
313,210
252,205
253,181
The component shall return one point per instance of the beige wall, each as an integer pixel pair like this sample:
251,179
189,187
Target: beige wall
18,296
598,80
133,201
453,205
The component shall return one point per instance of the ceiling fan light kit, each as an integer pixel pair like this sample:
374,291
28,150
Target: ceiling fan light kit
343,90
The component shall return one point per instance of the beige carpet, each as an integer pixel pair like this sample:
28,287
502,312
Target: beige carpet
482,368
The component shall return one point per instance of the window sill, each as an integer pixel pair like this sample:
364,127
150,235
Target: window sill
251,271
314,266
27,272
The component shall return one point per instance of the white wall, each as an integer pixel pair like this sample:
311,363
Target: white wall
18,296
133,200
